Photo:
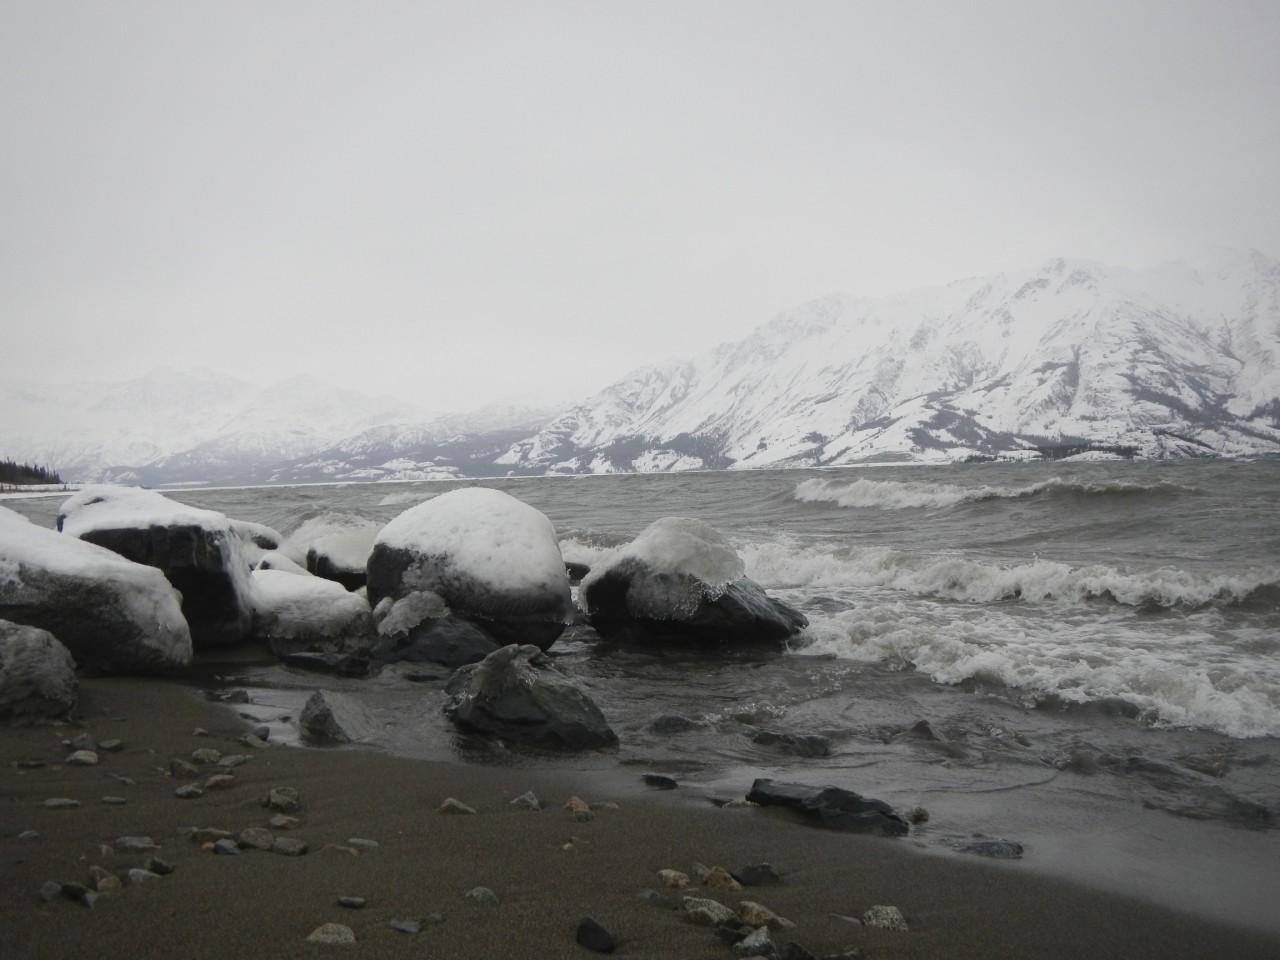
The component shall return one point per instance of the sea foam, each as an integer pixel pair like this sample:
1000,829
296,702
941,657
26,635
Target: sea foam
907,494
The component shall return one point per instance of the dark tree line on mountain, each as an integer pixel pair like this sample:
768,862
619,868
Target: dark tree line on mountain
13,472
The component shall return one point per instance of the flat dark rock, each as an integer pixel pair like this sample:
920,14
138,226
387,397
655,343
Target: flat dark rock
757,875
595,937
830,807
659,781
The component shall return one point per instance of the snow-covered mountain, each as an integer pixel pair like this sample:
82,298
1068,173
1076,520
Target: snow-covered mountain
1183,359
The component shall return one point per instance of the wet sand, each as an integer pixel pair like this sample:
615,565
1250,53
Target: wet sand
261,905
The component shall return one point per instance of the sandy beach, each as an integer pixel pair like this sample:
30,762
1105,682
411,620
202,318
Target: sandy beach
547,869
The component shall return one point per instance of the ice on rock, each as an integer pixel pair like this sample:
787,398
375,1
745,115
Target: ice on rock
490,557
109,612
335,546
294,613
279,560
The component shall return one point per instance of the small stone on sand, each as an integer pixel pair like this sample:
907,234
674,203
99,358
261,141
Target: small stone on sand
579,808
405,926
159,867
332,933
283,822
707,912
220,781
138,875
255,838
594,937
289,846
111,746
226,848
206,755
483,896
453,805
363,844
83,758
659,781
283,799
182,770
885,917
136,844
718,878
115,801
528,800
352,903
758,915
673,879
189,791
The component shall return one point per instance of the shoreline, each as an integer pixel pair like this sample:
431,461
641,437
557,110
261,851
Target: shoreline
262,904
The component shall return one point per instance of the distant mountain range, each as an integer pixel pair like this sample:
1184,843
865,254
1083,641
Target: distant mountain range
1179,360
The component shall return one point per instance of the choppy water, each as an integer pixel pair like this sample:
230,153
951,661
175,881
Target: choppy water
1096,648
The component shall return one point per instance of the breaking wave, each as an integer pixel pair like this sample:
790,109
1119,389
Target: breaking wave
907,494
778,564
1192,680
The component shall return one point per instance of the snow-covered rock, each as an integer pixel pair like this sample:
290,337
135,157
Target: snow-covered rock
517,694
279,560
681,580
293,613
197,550
110,613
494,560
37,675
335,546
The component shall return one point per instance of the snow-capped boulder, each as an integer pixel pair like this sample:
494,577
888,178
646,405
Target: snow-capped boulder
279,560
419,628
517,694
680,580
256,540
197,550
110,613
293,614
37,675
334,546
494,560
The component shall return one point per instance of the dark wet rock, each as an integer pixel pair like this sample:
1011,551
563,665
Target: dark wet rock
680,581
447,546
922,730
405,926
482,895
339,664
110,613
576,571
995,849
517,693
732,931
1216,804
37,675
659,781
329,565
196,550
226,848
594,937
757,875
282,799
916,815
337,718
797,744
830,807
670,723
448,640
352,903
79,893
794,951
289,846
161,868
261,731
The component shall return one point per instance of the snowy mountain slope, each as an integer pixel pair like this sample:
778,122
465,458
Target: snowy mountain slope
1176,360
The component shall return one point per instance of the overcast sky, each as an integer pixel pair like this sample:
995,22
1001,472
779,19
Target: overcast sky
454,202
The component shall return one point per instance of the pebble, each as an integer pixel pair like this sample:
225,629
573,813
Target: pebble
249,740
289,846
220,781
103,880
61,803
340,848
136,844
234,760
182,769
483,896
718,878
138,875
758,915
594,937
189,791
83,758
916,815
758,875
283,822
207,834
199,732
79,893
115,801
452,805
363,844
579,808
29,835
700,871
127,781
885,917
673,879
81,741
283,799
206,755
159,867
528,800
111,746
755,944
50,890
262,732
255,838
352,903
707,912
332,933
226,848
405,926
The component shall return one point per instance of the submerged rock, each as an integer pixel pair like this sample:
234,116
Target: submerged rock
679,580
798,744
517,694
196,550
109,612
493,560
37,675
830,807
